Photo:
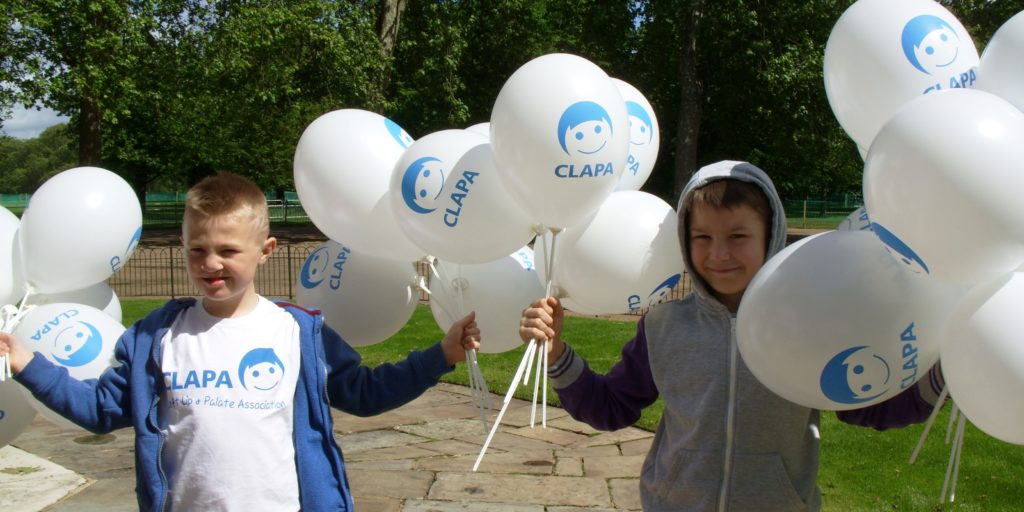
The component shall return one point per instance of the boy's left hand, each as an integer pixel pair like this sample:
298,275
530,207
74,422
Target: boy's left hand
463,335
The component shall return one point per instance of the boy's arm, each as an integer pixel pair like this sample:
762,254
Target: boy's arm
364,391
606,402
98,405
913,405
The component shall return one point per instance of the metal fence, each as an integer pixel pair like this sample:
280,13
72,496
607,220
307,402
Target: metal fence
161,272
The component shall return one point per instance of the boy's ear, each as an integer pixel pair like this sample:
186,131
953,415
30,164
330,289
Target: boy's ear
268,248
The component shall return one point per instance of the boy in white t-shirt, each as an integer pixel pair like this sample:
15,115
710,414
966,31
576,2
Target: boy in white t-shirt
229,397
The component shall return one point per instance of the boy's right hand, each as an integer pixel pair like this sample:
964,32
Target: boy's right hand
19,356
542,320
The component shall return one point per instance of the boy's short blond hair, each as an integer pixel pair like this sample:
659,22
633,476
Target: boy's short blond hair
228,194
731,193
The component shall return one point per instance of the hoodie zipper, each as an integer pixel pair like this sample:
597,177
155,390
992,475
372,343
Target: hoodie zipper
730,419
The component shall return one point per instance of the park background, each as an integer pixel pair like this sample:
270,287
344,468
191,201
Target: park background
164,93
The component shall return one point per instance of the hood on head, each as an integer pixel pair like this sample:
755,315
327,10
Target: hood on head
740,171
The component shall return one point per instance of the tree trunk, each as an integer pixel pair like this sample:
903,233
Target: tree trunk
388,22
90,141
691,97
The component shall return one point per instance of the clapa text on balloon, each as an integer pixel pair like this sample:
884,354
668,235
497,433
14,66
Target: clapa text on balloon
54,323
584,171
909,353
964,80
339,263
451,214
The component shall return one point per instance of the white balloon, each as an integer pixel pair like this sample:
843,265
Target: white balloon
983,358
1001,70
627,259
857,220
78,337
100,296
80,227
342,169
943,184
833,322
364,298
12,282
561,137
498,291
470,218
481,128
644,137
16,413
882,54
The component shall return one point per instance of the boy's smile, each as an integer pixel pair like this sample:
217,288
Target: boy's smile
727,248
223,255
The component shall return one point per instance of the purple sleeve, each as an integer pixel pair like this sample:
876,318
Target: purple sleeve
909,407
615,400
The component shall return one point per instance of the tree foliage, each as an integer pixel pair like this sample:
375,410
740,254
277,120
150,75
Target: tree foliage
167,91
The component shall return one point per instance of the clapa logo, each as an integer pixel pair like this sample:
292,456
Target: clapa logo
77,345
641,133
855,375
900,248
524,258
117,261
400,136
930,43
655,296
261,369
422,183
320,266
584,128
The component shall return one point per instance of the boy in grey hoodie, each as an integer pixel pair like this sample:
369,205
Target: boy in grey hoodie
725,442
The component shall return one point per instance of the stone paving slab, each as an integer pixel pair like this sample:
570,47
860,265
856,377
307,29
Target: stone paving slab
28,482
417,458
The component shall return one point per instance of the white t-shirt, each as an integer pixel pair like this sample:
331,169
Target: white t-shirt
228,404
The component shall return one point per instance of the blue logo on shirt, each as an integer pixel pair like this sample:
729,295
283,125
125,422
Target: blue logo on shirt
260,368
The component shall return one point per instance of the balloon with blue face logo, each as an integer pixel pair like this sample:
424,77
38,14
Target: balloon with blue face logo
12,282
833,322
560,133
366,299
80,227
881,54
1001,71
631,242
16,413
471,218
342,170
644,137
77,337
942,182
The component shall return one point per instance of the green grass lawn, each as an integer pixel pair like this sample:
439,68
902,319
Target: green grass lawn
861,469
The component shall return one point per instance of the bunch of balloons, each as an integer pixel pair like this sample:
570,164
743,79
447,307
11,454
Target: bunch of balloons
930,269
564,152
80,227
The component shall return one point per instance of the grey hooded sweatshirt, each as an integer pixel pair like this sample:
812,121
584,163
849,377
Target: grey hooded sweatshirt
725,442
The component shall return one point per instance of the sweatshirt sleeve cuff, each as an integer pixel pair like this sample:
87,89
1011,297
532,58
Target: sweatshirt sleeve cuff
566,369
37,374
435,363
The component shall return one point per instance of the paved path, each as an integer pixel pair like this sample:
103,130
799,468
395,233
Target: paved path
417,458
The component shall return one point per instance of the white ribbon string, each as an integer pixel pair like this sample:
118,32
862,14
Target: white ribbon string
9,318
508,398
953,468
928,424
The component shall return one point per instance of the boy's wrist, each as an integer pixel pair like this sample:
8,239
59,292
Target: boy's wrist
20,359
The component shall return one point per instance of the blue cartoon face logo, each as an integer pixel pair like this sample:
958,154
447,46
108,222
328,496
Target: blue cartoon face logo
641,129
901,249
314,269
663,289
855,376
400,136
585,128
930,43
261,369
524,258
422,184
134,242
77,345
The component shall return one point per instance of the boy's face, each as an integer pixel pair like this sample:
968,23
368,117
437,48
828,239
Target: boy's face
223,254
727,247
